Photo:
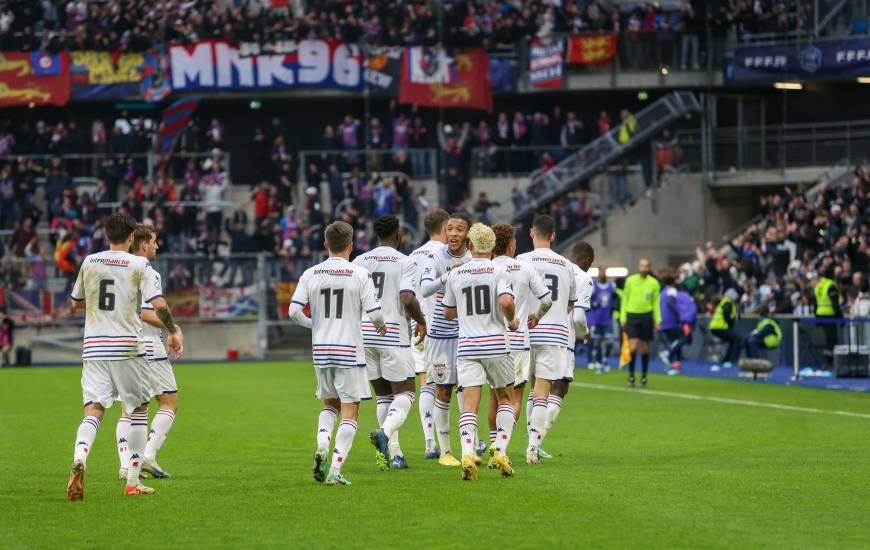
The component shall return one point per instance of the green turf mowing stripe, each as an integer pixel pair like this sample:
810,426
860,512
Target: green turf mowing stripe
726,400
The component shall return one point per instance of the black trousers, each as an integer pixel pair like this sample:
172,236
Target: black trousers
735,341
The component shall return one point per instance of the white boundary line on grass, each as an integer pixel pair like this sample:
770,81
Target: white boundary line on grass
726,400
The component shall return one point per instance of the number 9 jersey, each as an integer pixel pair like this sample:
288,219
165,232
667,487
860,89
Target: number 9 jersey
392,273
113,285
339,294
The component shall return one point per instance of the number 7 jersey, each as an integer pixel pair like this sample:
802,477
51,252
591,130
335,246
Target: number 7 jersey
558,275
113,285
392,273
340,294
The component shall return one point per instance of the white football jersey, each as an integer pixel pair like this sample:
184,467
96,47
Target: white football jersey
113,286
153,337
441,262
585,285
421,257
339,294
474,289
527,284
392,273
556,272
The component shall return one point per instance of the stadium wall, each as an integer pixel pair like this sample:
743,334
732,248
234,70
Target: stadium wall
686,217
202,342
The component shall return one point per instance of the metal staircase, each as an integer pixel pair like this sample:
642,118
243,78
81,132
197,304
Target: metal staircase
545,187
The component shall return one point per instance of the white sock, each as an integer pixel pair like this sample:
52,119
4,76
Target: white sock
325,424
530,403
85,436
492,435
537,423
427,406
122,436
459,401
398,413
504,426
468,433
382,407
160,426
136,443
442,425
554,407
343,442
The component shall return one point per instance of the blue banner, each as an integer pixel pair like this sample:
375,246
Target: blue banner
503,75
836,58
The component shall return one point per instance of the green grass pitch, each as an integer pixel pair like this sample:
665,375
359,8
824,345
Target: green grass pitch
631,470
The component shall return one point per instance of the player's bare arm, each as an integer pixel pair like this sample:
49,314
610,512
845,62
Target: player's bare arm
508,308
413,310
545,304
174,340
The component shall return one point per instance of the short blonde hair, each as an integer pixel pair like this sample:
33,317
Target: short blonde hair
482,238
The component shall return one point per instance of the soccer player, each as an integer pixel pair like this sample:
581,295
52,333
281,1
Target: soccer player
479,295
640,316
527,285
600,320
435,223
338,294
159,373
110,286
549,338
582,256
442,334
388,357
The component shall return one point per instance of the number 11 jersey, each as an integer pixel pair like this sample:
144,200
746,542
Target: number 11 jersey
339,294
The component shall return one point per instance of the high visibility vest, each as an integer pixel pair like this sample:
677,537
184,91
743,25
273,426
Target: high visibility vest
719,322
771,341
824,306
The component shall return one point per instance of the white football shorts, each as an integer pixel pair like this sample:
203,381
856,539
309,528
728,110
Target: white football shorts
547,362
498,372
521,366
441,361
160,377
348,384
105,382
391,364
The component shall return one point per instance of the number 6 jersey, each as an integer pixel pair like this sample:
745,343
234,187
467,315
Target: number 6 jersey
113,285
339,294
392,273
474,290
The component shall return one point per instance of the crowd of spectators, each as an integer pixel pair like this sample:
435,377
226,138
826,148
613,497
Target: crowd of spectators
120,25
775,262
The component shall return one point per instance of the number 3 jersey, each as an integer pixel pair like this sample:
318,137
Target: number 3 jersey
474,290
558,275
113,285
339,294
392,273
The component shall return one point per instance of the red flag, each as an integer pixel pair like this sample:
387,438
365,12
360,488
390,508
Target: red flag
20,85
592,49
431,78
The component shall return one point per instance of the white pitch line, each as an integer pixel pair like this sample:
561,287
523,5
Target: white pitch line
726,400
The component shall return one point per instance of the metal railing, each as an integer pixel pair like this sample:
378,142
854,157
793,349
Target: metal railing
604,150
419,163
88,167
783,146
